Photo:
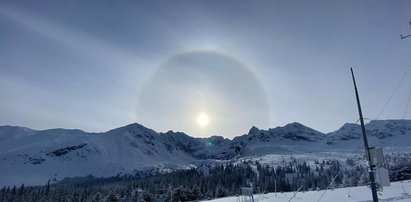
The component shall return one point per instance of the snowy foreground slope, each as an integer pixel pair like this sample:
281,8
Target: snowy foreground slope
35,156
398,191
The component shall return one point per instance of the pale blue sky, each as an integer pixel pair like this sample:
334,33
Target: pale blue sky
97,65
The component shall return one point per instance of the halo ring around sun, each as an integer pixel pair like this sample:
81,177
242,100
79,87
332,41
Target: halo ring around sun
200,81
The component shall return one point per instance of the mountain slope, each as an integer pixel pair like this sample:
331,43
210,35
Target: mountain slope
39,155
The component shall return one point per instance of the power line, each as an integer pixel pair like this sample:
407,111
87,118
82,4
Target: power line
395,90
406,106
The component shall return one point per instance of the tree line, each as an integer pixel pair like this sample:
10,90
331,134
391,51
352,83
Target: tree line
203,182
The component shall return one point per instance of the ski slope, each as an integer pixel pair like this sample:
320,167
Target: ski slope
398,192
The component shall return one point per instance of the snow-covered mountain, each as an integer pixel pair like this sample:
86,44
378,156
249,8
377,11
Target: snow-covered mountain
291,138
381,133
34,156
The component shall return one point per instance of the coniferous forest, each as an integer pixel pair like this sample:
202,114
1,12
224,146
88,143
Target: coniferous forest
204,182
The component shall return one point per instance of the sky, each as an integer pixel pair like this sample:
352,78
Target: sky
98,65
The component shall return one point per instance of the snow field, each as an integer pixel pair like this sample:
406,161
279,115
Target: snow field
398,192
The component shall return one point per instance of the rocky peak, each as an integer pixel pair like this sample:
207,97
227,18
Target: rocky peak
253,130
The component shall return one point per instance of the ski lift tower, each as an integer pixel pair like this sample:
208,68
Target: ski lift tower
402,36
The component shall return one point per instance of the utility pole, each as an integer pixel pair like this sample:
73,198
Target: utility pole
367,151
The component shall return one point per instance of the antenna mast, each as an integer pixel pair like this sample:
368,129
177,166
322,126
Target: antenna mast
367,151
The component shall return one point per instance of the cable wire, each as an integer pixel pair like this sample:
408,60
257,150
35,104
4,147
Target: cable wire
392,95
406,106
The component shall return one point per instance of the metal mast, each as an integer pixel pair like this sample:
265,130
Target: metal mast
370,165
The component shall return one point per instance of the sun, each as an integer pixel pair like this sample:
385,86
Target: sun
202,119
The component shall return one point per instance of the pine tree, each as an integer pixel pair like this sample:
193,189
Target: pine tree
97,197
112,197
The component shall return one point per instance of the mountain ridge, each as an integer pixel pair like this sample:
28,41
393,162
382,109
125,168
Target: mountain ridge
28,155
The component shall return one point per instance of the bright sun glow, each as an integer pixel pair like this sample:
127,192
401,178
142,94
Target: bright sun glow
202,119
